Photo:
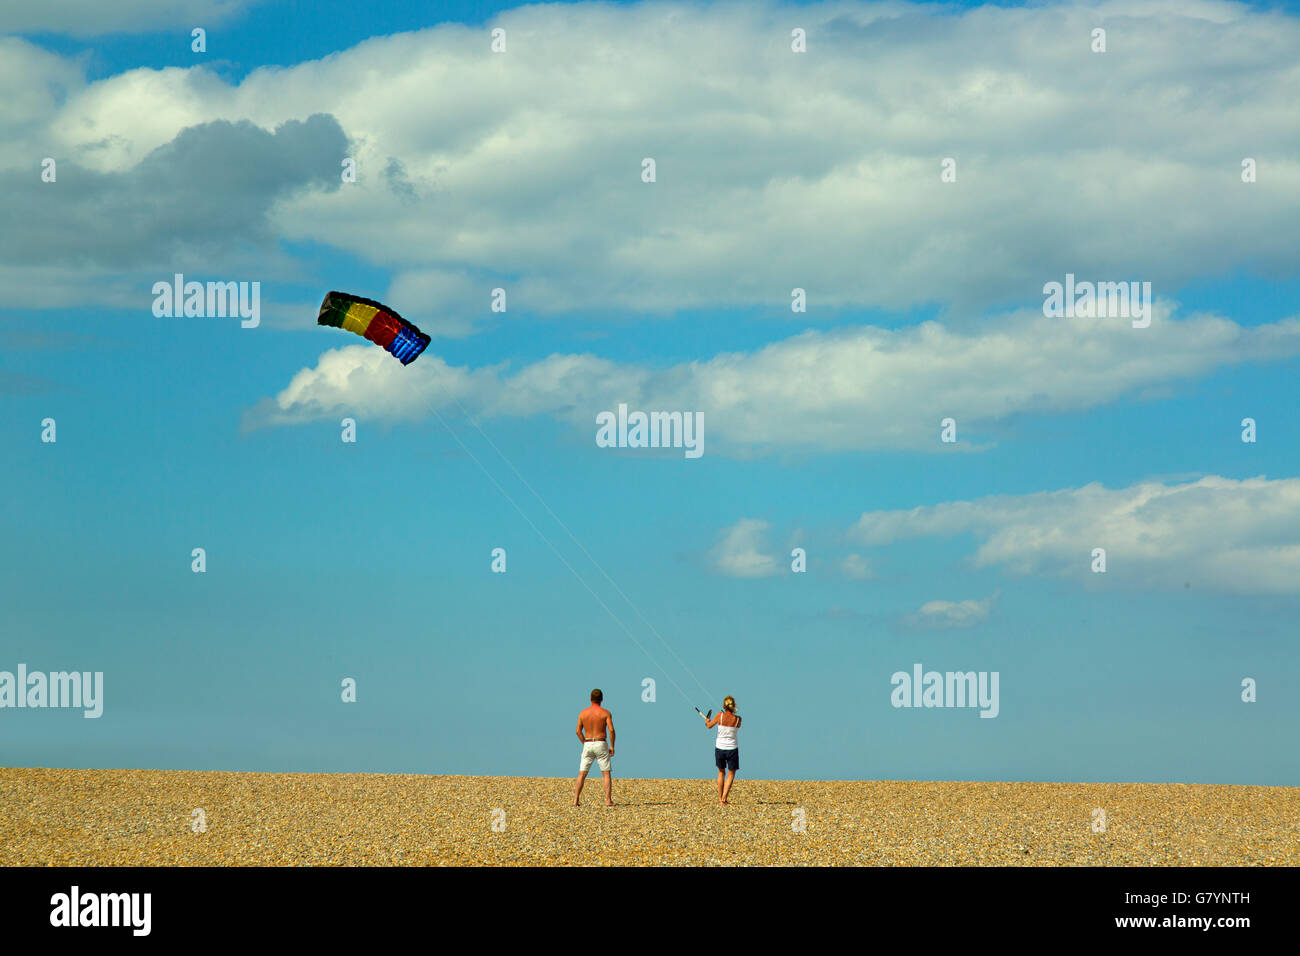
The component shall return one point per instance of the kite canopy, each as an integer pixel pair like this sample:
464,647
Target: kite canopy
374,321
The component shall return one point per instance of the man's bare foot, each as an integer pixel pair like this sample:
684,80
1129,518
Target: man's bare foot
609,804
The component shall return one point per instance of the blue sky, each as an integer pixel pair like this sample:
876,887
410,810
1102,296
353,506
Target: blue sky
522,171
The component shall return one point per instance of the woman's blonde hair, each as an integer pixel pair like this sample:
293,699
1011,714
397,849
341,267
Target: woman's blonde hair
729,704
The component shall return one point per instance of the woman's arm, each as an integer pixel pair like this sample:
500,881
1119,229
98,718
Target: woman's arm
712,721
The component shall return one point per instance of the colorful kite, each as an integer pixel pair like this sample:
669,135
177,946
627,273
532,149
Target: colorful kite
374,321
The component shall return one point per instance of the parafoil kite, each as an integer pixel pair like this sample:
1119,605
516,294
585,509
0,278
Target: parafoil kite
374,321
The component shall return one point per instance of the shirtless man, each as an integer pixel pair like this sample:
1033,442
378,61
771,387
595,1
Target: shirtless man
591,731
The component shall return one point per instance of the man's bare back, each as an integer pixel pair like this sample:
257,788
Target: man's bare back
593,722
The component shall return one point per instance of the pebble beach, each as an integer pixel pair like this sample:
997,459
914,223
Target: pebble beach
54,817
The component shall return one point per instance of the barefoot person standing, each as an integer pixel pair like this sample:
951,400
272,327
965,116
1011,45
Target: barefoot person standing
726,753
592,724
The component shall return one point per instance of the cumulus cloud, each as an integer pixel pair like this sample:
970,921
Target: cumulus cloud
200,204
949,615
207,190
857,567
853,388
1214,533
740,552
449,299
819,170
36,84
86,18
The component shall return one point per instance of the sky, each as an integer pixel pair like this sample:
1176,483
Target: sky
839,261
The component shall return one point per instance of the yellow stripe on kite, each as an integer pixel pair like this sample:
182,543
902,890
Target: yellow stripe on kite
358,318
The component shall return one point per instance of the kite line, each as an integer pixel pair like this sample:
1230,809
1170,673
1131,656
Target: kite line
575,540
386,328
557,553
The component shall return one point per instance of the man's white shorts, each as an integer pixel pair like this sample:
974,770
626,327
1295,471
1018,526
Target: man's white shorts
596,750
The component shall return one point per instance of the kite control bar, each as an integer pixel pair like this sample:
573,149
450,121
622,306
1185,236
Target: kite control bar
704,715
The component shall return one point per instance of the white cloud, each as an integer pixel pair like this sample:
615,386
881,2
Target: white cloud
853,388
214,185
775,170
36,83
1214,533
739,552
451,297
857,567
946,615
85,18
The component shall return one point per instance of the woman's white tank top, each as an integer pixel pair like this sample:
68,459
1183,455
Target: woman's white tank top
727,737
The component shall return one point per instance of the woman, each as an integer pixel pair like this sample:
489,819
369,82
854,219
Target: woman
726,752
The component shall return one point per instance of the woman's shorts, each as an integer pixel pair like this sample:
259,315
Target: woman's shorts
727,759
